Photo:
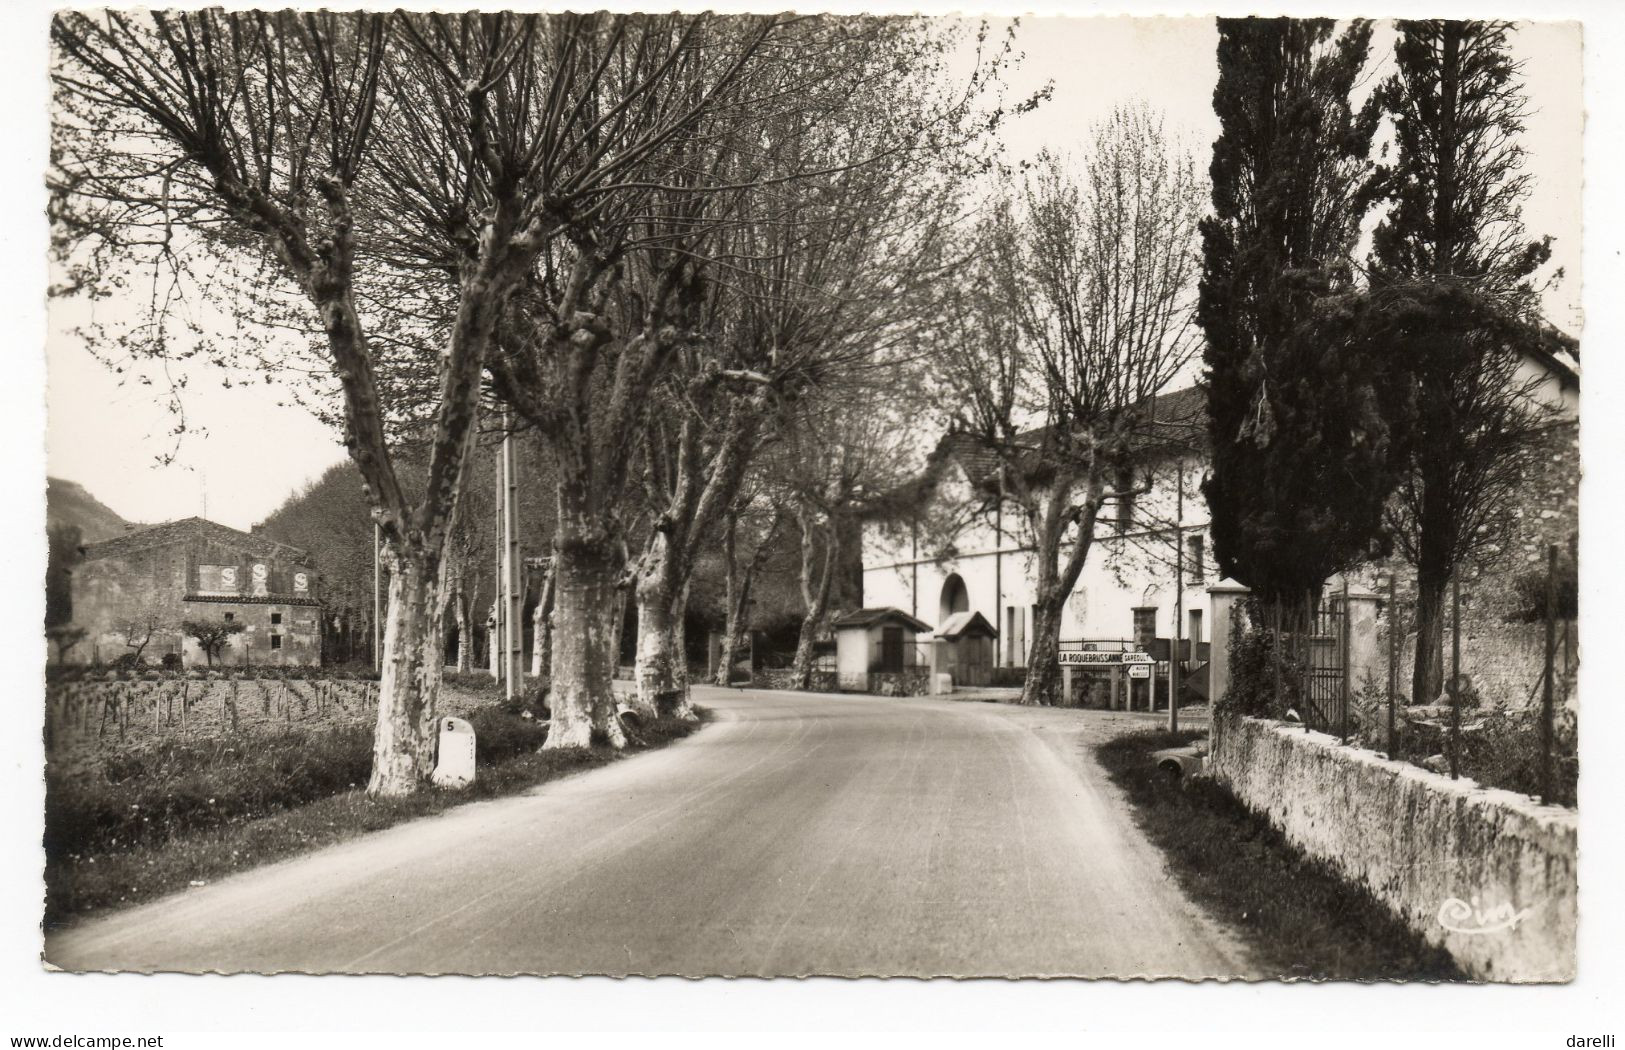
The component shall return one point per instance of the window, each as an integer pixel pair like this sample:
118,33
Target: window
1145,627
230,617
1015,636
1195,552
276,641
276,618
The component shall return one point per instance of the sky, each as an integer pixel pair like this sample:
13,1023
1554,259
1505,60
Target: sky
246,451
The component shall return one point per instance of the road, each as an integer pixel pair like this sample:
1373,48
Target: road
799,834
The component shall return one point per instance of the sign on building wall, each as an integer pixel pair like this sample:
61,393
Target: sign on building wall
261,575
217,579
301,582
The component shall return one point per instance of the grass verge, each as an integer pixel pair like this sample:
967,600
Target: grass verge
214,811
1300,918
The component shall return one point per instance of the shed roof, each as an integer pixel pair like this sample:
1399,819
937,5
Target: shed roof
970,624
878,615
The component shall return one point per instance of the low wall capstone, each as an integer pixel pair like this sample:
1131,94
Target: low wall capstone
1487,874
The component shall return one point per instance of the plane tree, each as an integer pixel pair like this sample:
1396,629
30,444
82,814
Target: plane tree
1078,314
402,174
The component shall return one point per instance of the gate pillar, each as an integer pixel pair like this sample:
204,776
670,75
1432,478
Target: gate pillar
1367,663
1225,597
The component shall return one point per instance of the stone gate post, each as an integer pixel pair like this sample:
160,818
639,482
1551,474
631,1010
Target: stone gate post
1367,662
1223,597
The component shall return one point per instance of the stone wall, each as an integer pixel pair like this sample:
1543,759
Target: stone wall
899,683
1487,874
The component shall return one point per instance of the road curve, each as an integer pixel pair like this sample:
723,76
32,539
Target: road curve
800,834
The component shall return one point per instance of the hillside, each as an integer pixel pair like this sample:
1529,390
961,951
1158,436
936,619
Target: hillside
70,503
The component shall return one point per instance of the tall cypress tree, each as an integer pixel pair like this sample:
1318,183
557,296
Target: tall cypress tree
1453,254
1304,450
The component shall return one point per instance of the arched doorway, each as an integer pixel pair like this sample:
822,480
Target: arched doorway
954,598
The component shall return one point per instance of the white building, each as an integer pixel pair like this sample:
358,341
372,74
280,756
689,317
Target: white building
1128,589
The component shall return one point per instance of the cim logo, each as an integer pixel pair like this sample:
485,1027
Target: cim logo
1473,919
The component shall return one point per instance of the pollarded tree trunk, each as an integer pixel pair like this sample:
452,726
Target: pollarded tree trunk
542,625
739,582
582,699
1050,515
617,625
731,588
403,745
655,657
465,639
815,596
1043,682
683,708
733,631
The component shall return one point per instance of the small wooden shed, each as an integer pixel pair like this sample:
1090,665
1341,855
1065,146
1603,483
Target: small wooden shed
964,648
879,641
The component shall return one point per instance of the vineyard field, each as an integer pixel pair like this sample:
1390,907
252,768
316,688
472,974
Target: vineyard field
86,720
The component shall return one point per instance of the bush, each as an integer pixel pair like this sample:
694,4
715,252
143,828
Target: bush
1502,749
1252,670
1529,591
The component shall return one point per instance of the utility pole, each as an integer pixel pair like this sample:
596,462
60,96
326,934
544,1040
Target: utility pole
1174,660
1455,673
1547,700
1343,660
513,637
498,658
1393,659
377,602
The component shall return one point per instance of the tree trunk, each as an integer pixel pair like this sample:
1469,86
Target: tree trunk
465,635
403,745
1427,676
731,587
684,708
582,699
542,629
733,629
1050,517
1043,682
815,595
617,626
1436,546
655,656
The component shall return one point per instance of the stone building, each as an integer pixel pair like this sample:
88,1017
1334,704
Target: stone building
195,569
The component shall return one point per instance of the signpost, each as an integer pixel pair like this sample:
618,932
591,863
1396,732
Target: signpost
1139,665
1096,658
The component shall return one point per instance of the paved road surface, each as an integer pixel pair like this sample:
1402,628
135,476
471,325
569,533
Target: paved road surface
800,834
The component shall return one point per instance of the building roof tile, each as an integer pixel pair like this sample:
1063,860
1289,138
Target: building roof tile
880,614
185,529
